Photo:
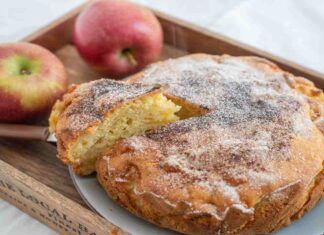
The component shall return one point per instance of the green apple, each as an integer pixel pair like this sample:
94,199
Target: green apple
31,79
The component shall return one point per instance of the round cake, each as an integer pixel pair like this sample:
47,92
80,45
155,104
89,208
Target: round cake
246,156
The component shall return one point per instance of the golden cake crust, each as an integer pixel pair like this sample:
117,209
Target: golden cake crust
86,105
250,165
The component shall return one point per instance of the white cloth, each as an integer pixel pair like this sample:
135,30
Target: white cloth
288,28
14,222
292,29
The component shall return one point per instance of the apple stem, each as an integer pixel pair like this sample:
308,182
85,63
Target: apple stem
25,72
130,57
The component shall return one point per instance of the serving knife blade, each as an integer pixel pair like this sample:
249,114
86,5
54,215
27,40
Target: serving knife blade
51,138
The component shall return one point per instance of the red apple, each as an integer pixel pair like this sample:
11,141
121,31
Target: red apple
31,79
117,37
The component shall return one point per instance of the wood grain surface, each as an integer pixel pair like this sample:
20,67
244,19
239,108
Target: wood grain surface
38,160
49,206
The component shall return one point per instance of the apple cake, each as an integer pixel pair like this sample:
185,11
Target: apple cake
94,115
226,145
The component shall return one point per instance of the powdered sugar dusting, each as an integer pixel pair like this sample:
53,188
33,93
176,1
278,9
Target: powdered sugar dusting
253,115
137,143
92,100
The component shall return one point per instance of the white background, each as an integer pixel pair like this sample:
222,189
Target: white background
292,29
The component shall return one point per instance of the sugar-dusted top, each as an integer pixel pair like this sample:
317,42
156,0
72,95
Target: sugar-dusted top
89,102
243,149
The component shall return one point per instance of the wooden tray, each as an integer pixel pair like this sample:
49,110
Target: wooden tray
35,181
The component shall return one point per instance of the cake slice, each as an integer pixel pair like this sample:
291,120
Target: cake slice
94,115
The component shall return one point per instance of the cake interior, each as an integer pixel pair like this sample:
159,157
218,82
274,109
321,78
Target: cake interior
132,118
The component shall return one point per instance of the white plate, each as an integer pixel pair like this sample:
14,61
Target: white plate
92,193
